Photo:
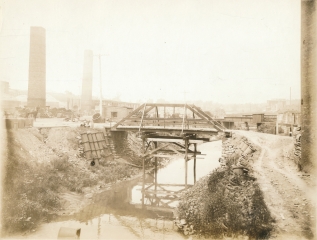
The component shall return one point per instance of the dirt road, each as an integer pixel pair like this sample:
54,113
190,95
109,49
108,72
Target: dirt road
289,194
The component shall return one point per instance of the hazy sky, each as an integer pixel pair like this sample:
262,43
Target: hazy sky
226,51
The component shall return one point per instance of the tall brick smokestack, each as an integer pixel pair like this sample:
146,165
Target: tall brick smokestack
309,84
37,68
86,94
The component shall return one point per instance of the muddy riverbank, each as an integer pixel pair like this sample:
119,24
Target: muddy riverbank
44,176
47,169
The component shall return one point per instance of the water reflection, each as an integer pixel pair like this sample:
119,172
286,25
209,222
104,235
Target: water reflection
164,194
174,173
117,213
109,226
126,198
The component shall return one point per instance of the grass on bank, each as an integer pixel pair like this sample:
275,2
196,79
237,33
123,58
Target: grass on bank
31,189
227,204
215,209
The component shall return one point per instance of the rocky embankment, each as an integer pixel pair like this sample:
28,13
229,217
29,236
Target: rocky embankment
297,146
227,202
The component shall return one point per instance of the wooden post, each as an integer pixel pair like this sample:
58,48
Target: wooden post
186,158
186,117
164,116
143,182
157,116
174,114
155,186
195,148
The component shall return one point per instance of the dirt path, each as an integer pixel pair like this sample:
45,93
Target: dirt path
288,193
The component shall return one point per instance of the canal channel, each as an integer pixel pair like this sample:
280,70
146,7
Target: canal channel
117,213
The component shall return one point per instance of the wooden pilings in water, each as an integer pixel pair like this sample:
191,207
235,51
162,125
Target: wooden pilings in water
143,161
164,146
195,150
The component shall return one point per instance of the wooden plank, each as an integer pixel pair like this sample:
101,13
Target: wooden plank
217,124
167,124
143,168
137,119
192,152
192,157
184,118
149,186
176,140
172,199
174,185
165,156
195,150
210,131
149,109
165,104
204,117
155,170
174,150
182,151
142,117
152,128
165,192
186,160
172,153
155,150
175,137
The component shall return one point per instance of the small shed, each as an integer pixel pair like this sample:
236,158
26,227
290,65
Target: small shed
115,113
258,118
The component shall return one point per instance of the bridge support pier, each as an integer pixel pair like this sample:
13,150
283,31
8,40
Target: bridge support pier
186,160
143,165
195,150
161,146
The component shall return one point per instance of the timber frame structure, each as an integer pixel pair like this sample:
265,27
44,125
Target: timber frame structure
169,131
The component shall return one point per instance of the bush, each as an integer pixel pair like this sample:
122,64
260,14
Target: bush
31,189
61,163
223,203
28,196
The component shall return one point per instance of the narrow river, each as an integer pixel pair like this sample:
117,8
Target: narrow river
116,213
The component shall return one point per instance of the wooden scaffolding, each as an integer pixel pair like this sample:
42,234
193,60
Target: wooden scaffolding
168,131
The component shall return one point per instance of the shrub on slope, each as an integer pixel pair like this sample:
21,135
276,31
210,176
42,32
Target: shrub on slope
224,203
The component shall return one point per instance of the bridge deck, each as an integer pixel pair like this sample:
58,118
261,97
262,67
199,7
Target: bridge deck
211,131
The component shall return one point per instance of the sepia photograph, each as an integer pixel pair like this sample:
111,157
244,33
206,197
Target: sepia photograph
158,119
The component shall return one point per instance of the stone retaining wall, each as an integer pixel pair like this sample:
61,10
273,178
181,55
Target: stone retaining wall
237,152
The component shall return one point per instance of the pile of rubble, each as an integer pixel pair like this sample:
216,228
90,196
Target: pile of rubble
235,153
205,206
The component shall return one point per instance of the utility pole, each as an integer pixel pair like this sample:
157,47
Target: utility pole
185,96
290,98
100,100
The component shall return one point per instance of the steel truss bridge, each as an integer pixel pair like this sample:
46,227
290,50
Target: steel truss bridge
169,131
